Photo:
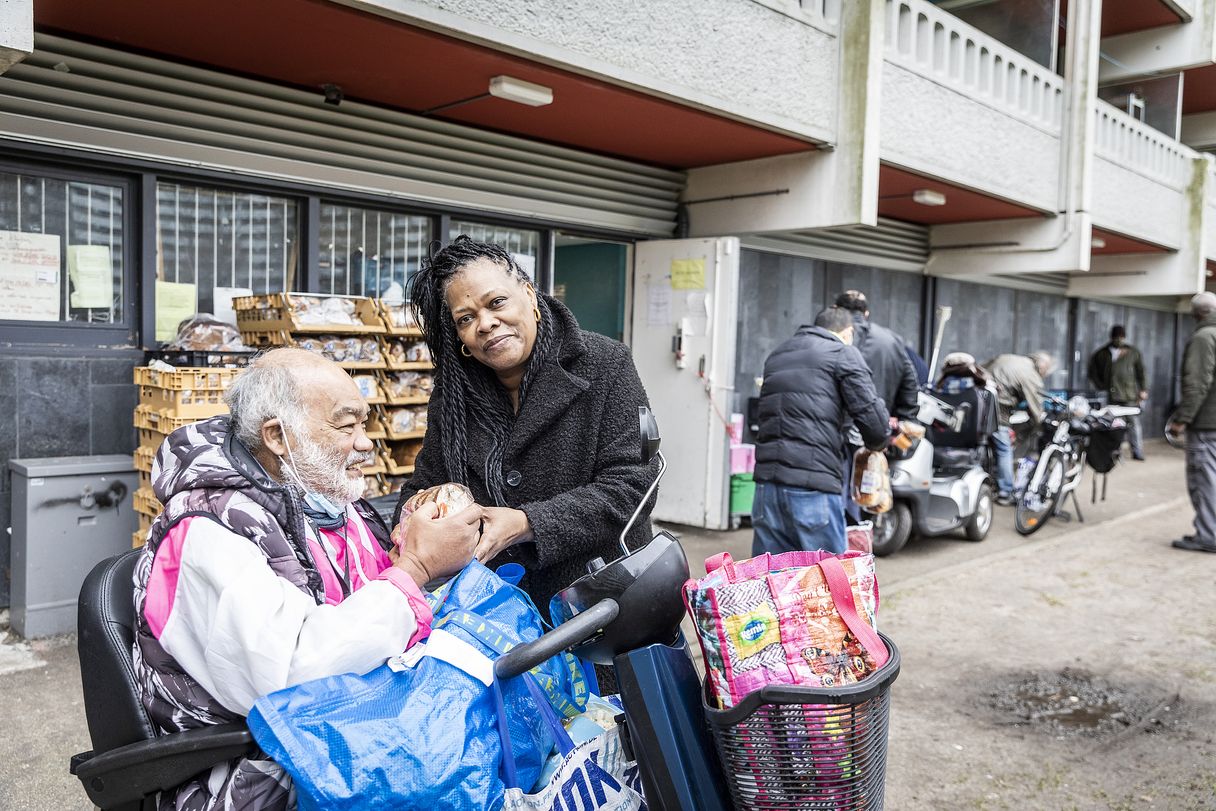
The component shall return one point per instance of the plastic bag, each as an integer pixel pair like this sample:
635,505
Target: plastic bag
595,769
206,332
425,735
449,498
871,481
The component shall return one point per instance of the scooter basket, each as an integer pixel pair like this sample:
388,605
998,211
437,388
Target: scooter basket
787,747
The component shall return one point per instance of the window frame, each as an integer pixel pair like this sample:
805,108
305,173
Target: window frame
141,174
82,334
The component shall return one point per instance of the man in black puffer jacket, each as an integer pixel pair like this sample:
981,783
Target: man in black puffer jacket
815,385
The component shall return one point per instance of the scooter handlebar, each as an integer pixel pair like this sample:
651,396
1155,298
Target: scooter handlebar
580,628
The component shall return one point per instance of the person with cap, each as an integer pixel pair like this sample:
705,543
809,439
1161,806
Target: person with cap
1016,378
1117,369
886,356
1197,417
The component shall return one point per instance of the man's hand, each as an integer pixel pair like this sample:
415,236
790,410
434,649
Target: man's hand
430,547
502,527
1177,428
1143,395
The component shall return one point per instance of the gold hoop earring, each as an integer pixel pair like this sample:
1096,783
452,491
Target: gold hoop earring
464,350
536,312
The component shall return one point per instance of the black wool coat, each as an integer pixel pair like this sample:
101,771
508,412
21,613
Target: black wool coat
576,448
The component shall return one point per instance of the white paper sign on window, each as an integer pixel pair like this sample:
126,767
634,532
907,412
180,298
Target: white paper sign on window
92,276
29,276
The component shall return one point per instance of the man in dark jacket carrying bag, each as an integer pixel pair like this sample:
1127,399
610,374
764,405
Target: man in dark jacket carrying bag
815,384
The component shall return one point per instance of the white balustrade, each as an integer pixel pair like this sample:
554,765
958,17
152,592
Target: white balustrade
1140,148
941,47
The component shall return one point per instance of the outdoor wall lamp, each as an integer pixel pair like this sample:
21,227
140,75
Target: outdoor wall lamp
928,197
333,94
1097,242
509,89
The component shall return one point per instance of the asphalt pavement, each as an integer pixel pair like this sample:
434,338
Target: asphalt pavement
990,633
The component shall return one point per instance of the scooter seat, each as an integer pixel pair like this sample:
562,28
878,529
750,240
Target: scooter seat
956,458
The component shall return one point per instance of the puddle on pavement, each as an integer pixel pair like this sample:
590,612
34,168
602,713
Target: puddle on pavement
1075,703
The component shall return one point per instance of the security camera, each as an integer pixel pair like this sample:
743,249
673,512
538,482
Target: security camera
333,94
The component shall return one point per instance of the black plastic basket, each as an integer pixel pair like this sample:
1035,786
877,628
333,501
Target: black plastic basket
785,747
203,358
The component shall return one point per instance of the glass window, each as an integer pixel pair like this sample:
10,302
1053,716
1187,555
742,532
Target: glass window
524,246
224,243
365,252
61,250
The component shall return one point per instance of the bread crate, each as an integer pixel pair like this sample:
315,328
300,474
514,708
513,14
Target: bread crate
186,393
308,313
398,318
145,502
144,457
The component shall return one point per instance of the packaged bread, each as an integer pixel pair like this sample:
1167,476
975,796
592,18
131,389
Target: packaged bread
450,498
909,433
406,453
418,352
871,481
368,389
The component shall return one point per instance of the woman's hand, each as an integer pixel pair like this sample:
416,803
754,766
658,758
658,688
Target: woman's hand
501,527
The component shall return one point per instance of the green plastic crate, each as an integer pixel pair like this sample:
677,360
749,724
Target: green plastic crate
742,493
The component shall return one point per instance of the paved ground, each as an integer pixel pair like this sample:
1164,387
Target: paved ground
997,639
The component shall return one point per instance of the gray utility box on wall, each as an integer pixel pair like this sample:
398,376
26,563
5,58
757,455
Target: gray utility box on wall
69,513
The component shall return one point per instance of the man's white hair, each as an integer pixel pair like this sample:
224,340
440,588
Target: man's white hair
265,391
1203,304
1043,362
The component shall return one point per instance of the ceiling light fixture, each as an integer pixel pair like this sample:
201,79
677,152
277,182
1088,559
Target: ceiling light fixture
928,197
1097,242
521,92
507,88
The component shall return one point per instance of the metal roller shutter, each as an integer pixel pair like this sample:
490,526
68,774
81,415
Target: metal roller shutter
102,99
891,244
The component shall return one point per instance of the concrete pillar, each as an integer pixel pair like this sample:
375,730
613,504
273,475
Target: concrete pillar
16,31
832,186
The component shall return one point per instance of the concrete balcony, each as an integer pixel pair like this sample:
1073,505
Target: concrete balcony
959,105
1152,37
1141,179
770,63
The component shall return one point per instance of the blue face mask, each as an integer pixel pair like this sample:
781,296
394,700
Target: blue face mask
320,507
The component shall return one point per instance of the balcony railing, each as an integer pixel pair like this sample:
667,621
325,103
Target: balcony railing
1140,148
941,47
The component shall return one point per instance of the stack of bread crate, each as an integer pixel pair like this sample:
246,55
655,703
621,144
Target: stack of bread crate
170,398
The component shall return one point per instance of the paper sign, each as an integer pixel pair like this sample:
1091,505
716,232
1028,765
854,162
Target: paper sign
658,305
174,304
92,276
688,274
29,276
223,302
526,263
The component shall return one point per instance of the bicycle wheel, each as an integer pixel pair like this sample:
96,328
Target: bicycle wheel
1035,506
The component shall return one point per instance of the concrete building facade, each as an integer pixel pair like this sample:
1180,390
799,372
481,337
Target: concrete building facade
1039,167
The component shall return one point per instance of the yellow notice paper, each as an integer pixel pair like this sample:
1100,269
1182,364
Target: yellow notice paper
29,276
92,276
688,274
174,304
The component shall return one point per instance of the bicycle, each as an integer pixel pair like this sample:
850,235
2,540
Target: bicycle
1042,482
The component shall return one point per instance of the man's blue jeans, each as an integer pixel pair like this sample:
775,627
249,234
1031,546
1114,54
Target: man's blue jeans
788,519
1002,444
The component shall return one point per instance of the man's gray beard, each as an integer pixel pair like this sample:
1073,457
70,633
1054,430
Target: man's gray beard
323,471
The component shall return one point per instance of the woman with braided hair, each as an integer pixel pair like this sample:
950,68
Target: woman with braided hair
536,416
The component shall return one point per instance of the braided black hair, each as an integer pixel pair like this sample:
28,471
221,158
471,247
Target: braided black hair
469,389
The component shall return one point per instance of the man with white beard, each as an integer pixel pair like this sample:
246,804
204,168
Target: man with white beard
266,568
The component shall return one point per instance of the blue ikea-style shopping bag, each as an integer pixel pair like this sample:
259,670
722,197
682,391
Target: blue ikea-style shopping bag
426,735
